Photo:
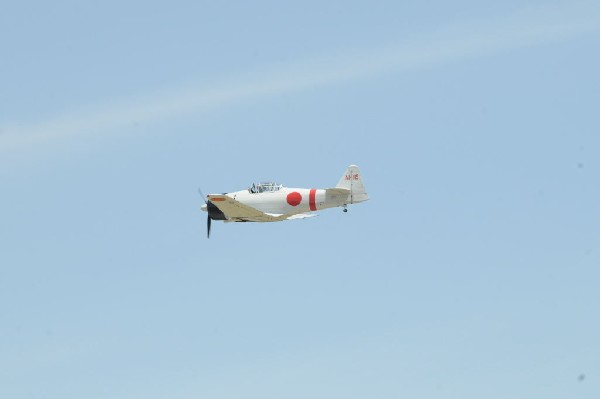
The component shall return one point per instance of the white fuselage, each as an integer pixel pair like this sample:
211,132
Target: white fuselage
288,201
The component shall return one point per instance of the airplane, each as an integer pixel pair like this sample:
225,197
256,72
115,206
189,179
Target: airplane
272,202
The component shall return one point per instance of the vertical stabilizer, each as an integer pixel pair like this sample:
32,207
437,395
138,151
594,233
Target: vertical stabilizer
352,180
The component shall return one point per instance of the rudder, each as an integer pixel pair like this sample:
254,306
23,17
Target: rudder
352,180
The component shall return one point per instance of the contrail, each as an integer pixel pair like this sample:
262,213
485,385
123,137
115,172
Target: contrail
528,27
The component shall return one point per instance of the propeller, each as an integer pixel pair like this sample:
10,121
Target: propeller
208,218
214,213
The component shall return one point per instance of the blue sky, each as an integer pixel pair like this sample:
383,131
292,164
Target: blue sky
472,271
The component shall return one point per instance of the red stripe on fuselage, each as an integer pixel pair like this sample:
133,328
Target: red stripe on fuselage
311,199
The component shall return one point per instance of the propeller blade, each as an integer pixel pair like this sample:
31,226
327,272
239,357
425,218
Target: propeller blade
203,196
208,219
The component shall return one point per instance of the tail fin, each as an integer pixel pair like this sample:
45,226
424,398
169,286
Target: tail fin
352,180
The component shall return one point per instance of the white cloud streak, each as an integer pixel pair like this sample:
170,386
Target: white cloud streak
528,27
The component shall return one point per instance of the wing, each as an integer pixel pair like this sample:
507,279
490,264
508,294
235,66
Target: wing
236,211
301,216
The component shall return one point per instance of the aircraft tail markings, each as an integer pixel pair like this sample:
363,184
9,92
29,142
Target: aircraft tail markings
352,181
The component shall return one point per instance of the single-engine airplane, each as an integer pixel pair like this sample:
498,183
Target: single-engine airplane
272,202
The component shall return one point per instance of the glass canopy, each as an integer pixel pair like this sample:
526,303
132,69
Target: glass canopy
265,187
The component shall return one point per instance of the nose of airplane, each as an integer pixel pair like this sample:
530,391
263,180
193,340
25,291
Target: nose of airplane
204,208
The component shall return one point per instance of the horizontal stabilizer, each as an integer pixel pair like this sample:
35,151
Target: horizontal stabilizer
337,192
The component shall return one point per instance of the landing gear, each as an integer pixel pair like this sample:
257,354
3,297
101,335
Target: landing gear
345,209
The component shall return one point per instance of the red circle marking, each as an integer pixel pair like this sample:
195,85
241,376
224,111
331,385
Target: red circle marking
294,199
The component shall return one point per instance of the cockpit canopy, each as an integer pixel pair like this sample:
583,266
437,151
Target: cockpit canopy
265,187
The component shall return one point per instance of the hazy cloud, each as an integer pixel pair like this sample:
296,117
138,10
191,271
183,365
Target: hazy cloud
528,27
